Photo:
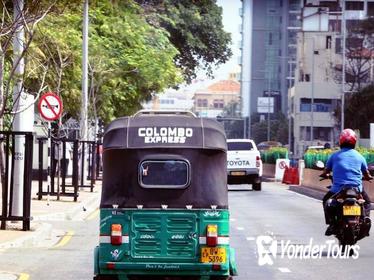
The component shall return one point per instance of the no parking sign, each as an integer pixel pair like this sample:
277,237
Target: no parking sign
50,106
281,165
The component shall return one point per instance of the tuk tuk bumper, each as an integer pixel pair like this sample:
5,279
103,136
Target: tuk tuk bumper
158,268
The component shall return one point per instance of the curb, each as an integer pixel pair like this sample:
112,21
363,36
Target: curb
31,240
77,212
304,190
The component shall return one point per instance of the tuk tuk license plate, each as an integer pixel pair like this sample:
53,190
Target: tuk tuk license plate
237,173
213,255
351,210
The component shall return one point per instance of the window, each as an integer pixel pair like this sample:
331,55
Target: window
338,45
335,25
328,42
202,103
270,38
354,5
171,174
218,103
319,105
319,133
370,9
307,77
239,146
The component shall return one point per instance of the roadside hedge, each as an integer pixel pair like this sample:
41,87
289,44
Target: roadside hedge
311,156
271,155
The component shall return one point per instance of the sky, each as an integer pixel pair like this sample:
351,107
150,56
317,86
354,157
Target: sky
231,22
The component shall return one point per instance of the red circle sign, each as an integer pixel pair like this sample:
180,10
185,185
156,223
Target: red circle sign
50,106
282,164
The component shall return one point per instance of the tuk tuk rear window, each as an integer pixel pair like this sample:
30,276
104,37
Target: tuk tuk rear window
239,146
172,174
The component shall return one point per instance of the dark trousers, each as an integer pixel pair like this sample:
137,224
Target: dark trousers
367,205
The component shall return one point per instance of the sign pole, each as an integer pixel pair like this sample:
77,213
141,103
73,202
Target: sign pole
50,109
49,170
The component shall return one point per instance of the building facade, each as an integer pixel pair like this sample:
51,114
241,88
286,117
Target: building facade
211,101
318,91
268,61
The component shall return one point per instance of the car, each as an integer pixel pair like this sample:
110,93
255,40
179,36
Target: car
244,164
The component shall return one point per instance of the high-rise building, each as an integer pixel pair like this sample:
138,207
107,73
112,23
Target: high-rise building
268,54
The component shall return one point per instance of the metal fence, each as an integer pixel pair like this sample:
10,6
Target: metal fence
9,186
81,154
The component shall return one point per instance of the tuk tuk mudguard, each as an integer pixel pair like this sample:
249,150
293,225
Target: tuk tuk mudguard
233,266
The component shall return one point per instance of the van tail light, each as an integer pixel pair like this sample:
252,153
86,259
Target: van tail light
116,235
258,161
212,235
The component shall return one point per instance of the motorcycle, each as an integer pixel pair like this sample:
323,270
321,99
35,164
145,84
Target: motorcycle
346,208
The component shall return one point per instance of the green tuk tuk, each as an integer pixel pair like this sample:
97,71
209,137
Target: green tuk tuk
164,205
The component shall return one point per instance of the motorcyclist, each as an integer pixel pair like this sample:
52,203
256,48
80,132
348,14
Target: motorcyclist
347,167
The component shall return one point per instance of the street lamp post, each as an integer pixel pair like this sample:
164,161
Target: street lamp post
312,99
268,124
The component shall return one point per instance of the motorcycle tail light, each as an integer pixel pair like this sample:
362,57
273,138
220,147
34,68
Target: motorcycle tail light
212,235
116,235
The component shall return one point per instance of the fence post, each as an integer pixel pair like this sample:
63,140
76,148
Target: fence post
75,178
27,182
40,168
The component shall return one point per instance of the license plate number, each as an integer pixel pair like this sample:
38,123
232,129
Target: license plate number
213,255
237,173
351,210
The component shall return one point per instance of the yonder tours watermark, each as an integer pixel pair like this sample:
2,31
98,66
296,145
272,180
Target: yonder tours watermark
269,249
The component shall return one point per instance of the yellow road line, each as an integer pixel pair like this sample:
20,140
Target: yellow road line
93,215
65,239
24,276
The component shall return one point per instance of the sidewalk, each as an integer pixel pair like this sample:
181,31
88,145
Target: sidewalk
46,210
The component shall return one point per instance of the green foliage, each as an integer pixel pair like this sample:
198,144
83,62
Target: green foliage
312,156
195,28
271,155
278,128
359,110
129,59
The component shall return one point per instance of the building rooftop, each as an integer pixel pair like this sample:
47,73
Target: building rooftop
228,86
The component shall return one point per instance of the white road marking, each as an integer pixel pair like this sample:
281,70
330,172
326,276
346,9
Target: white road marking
250,238
284,269
240,228
232,219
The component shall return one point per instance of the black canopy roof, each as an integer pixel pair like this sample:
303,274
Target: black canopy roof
164,131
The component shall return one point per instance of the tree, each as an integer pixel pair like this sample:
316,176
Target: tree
359,110
359,55
195,28
129,60
278,128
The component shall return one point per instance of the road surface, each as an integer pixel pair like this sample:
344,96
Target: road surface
275,212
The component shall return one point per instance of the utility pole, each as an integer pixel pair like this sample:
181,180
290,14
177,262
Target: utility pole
343,68
268,125
23,118
84,107
312,99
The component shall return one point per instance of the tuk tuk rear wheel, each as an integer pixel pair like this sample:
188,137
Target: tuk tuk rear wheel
256,186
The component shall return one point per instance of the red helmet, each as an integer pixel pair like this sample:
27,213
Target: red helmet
348,136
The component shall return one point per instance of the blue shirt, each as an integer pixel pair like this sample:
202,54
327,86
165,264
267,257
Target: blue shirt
347,166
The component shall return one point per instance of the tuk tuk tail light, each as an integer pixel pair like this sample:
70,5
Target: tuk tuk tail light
116,235
212,235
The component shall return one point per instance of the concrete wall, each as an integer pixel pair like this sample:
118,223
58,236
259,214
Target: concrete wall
268,170
311,180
